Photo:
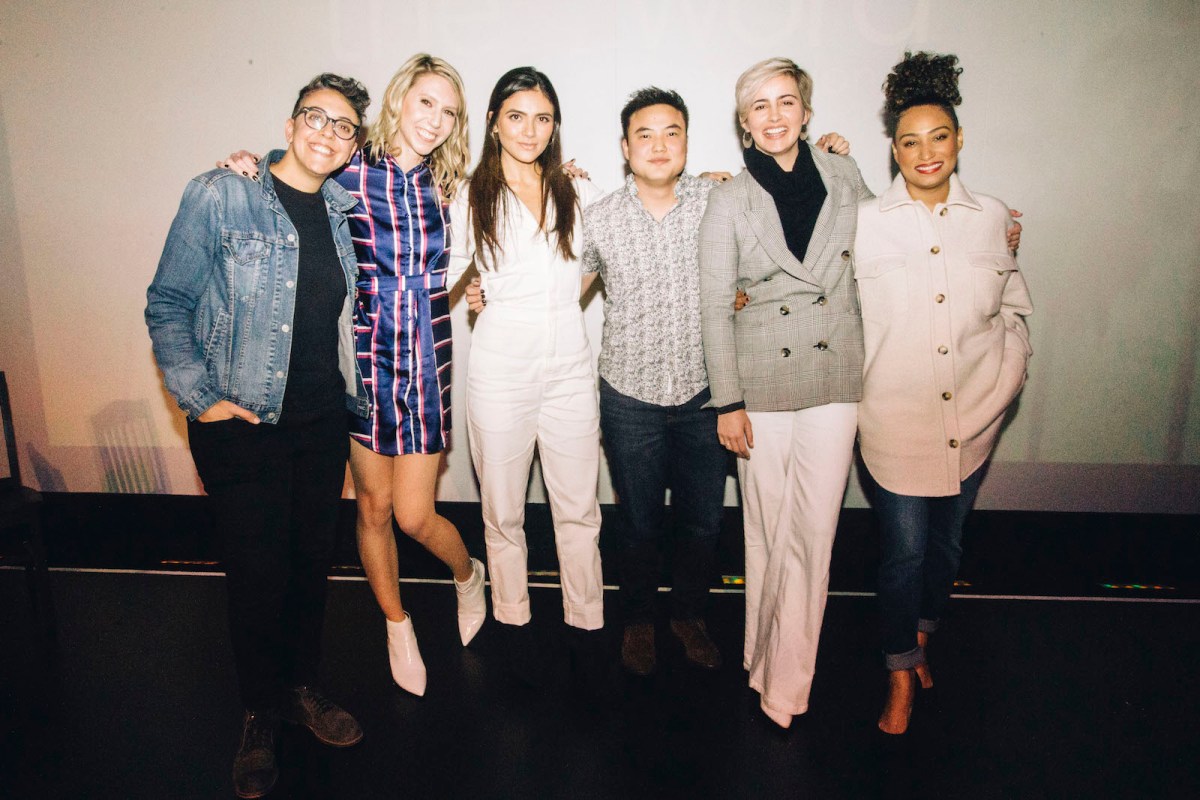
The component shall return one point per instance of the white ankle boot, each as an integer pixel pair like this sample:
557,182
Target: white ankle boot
472,603
408,670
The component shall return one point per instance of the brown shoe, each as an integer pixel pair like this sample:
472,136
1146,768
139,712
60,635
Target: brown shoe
254,769
637,648
698,648
328,722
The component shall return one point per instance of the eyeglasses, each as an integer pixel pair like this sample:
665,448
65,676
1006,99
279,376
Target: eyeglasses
317,119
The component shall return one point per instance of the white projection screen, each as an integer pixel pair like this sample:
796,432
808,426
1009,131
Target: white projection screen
1085,116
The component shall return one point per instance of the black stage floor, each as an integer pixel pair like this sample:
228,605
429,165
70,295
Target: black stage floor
1064,673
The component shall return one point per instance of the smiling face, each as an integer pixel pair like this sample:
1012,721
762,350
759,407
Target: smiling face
523,126
775,117
926,150
428,115
655,145
312,155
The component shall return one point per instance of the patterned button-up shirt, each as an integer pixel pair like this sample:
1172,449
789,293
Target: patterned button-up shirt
652,349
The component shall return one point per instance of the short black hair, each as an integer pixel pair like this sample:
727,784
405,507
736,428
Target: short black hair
651,96
354,92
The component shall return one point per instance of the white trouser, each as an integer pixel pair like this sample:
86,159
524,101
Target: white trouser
523,389
792,488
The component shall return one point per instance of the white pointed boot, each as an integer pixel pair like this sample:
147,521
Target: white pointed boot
472,603
408,670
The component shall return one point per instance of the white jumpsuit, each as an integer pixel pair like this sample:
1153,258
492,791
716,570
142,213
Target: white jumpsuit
531,379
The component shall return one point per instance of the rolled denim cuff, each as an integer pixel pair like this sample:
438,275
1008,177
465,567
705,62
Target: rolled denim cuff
927,625
895,662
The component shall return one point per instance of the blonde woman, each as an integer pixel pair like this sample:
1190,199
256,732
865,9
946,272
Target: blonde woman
404,179
786,372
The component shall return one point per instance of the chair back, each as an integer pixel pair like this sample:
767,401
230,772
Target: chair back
10,477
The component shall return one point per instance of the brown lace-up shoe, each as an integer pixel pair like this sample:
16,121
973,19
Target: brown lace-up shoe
254,770
637,648
329,722
698,648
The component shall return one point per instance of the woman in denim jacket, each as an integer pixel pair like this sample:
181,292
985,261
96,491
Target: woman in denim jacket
249,314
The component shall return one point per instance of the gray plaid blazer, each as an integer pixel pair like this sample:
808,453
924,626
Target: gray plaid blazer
798,342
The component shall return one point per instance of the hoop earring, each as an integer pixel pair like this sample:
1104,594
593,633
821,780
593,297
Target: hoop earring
747,140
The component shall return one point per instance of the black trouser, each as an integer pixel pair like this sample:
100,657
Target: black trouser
274,492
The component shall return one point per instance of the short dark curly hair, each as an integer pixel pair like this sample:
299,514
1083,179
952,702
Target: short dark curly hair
354,92
651,96
921,79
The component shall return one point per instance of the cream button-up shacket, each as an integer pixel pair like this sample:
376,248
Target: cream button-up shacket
943,307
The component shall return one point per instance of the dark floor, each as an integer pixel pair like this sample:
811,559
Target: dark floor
1035,698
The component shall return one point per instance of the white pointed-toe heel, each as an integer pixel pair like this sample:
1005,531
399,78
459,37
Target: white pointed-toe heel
472,603
408,670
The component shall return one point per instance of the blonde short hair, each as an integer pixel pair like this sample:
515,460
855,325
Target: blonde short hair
449,161
750,81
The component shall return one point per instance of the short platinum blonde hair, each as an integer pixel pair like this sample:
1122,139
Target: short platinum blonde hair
449,161
750,81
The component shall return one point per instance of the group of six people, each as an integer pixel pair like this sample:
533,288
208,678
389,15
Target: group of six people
778,315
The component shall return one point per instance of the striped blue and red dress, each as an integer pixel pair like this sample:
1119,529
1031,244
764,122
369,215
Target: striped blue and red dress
402,315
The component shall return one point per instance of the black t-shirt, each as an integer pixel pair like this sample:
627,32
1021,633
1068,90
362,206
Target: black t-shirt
314,382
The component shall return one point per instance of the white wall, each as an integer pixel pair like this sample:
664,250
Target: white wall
1084,116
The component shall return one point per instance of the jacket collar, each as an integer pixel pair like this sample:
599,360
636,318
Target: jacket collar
764,217
897,195
335,196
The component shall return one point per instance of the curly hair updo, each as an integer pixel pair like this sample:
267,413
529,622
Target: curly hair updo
921,79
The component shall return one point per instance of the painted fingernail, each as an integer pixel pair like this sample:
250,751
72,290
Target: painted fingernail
255,178
247,174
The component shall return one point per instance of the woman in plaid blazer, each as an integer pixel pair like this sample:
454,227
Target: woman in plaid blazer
786,372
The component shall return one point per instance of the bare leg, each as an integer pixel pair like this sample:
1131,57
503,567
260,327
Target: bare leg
376,544
902,688
923,673
414,483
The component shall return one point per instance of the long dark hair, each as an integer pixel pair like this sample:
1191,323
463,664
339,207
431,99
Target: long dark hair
488,195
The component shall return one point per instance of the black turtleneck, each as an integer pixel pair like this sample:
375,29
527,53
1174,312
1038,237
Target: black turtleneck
798,194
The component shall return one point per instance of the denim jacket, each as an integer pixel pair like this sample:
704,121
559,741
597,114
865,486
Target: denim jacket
221,304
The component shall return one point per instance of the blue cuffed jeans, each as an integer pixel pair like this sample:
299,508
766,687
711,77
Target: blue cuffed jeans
920,550
650,448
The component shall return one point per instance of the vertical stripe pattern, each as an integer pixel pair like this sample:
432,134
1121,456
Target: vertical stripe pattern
402,314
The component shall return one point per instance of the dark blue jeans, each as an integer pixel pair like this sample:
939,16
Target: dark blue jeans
920,550
652,448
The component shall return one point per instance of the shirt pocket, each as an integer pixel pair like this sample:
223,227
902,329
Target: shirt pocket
990,274
247,258
882,286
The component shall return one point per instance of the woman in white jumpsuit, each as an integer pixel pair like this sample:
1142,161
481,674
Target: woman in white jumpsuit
531,376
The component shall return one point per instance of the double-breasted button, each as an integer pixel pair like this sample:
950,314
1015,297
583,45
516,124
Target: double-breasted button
279,373
942,213
954,443
285,328
822,345
784,310
943,349
820,301
291,237
845,255
291,284
946,395
935,249
941,298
